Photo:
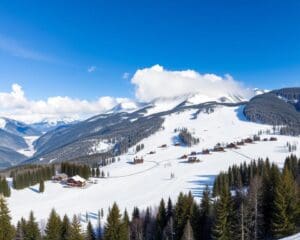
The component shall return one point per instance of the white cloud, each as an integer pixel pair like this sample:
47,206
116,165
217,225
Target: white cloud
17,49
125,75
15,105
91,69
150,83
157,82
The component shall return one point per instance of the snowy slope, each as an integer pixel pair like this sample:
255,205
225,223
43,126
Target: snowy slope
145,184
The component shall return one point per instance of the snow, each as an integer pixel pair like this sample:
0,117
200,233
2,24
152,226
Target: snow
145,184
294,237
29,151
100,146
2,123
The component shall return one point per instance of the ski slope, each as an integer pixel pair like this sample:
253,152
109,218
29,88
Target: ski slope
145,184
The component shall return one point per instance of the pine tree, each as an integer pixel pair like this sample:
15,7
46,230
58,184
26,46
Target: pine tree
19,232
169,209
53,230
254,218
65,230
97,172
188,232
195,220
285,206
42,186
161,219
76,233
205,214
32,231
90,234
223,221
126,223
6,229
114,228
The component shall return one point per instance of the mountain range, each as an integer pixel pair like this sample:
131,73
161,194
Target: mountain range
114,132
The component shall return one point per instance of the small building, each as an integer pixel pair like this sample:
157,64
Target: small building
76,181
60,177
193,160
205,151
273,139
137,160
248,140
231,145
219,149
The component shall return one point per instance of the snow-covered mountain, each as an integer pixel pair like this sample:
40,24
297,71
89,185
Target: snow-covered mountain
16,140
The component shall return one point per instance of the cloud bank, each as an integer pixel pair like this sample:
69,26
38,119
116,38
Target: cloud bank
17,106
149,83
156,82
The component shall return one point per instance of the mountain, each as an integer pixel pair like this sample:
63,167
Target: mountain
49,125
278,108
15,141
112,133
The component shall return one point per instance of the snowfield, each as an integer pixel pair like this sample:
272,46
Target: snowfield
145,184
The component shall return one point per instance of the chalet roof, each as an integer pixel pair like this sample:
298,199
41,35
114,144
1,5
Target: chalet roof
77,178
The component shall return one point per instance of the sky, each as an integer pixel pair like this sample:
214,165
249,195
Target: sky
95,54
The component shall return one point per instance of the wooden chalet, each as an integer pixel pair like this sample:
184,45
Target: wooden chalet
231,145
205,151
137,160
76,181
193,160
219,149
248,140
183,156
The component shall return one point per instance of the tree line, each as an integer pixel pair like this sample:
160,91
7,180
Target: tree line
31,175
72,169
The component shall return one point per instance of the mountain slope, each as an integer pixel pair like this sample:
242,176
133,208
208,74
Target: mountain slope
278,107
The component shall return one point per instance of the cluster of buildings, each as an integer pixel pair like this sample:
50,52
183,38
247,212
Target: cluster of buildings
75,181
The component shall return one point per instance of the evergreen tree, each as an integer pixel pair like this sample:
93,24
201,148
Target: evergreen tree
285,206
161,219
205,215
223,221
53,230
169,209
114,228
65,230
195,220
90,234
19,232
188,232
126,223
7,231
254,219
32,231
42,186
75,231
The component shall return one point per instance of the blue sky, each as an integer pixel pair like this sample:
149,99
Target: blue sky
47,46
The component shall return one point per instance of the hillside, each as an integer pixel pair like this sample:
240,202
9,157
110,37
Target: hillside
144,184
